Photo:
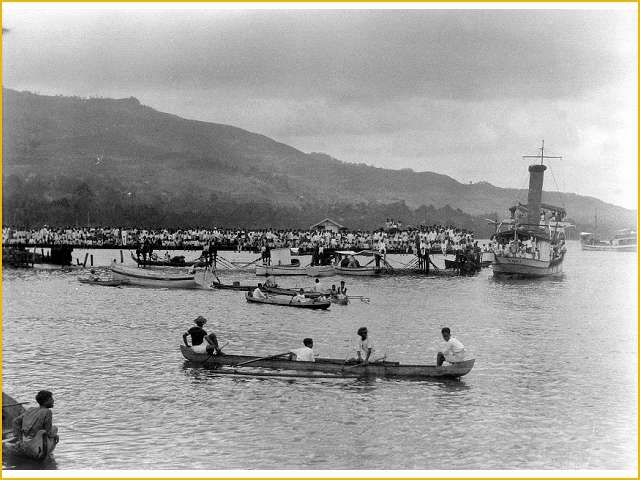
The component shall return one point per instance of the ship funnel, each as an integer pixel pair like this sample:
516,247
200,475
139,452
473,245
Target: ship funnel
536,176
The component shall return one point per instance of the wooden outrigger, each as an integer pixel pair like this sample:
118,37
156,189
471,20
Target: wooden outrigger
337,367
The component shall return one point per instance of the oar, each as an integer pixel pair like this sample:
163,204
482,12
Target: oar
381,359
211,354
261,358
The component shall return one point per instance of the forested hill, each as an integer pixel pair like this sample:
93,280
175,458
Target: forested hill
70,160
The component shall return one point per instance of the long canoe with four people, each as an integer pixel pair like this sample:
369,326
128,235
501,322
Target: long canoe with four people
332,366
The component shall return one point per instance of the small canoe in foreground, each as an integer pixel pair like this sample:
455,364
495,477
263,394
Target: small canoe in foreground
286,301
38,448
334,366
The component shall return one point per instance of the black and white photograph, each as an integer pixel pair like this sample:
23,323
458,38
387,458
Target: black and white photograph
320,239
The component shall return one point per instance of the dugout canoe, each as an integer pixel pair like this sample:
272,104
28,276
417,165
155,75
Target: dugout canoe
152,278
103,282
234,286
334,366
311,303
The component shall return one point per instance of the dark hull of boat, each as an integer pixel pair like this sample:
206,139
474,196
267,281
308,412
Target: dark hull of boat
335,366
240,288
166,263
104,283
288,302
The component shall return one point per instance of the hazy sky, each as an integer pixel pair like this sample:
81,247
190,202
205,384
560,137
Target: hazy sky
460,92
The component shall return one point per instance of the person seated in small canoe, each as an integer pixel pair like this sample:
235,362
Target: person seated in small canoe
365,348
305,353
333,292
269,282
452,350
27,425
344,262
342,288
93,276
353,263
258,293
299,297
201,341
167,256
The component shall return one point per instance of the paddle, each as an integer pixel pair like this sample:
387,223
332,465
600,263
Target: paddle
381,359
211,354
261,358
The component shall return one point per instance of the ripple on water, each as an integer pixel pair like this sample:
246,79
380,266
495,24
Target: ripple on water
554,384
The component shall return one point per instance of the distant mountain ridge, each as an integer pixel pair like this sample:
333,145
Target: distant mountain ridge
115,158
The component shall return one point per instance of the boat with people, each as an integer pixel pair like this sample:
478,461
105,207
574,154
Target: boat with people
234,286
175,261
531,243
625,240
152,278
348,264
334,366
290,292
38,448
339,299
310,303
103,282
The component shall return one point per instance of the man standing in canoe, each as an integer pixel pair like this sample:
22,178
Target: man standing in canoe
452,350
365,346
303,354
201,342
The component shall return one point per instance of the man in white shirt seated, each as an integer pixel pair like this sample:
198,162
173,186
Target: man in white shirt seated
303,354
299,297
452,350
258,293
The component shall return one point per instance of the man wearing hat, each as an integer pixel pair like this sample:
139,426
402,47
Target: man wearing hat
365,346
201,342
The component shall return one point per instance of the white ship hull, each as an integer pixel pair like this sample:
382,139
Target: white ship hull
320,271
609,248
526,267
276,270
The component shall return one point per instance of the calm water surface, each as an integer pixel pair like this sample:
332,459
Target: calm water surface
554,384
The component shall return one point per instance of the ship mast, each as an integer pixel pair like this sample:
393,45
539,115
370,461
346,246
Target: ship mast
536,176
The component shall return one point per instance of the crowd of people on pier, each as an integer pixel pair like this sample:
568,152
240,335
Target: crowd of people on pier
387,240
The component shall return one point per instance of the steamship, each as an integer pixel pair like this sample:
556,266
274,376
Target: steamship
532,242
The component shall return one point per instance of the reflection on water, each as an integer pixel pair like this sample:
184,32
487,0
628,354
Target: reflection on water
554,385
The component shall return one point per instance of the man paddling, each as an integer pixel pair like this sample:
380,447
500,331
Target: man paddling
452,350
201,341
305,353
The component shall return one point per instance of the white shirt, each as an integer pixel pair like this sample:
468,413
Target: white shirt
298,297
257,293
317,287
364,346
453,350
304,354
